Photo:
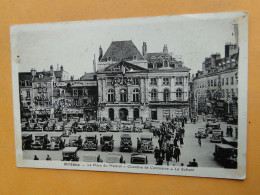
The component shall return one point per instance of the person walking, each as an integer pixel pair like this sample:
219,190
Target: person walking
138,145
168,156
35,157
231,131
199,140
177,154
181,141
156,153
48,157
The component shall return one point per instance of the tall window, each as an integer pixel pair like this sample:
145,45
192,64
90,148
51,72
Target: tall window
223,81
166,64
226,81
166,95
153,95
179,95
136,95
153,81
136,81
179,80
111,95
75,92
166,81
232,80
123,95
227,94
215,82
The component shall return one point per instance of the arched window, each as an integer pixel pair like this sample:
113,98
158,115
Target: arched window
123,95
111,95
179,95
153,95
136,95
136,113
166,95
111,114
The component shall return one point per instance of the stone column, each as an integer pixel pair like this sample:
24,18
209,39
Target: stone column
159,84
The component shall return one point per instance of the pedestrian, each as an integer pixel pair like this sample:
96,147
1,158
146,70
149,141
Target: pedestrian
138,145
236,130
199,140
231,131
156,153
35,157
181,141
182,123
193,163
227,132
48,157
175,144
168,156
177,154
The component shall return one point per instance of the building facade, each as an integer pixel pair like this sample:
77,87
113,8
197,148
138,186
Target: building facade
128,88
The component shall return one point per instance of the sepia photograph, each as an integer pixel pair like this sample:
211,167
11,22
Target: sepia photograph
157,95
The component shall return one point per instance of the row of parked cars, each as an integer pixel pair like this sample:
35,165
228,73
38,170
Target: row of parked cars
226,147
70,154
55,142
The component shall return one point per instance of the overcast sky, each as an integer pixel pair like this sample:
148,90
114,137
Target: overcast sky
73,44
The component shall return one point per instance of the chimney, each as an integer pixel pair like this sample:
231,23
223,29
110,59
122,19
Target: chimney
94,64
61,68
51,68
144,50
33,72
236,34
100,53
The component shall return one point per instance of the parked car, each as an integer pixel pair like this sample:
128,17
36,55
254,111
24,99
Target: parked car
211,120
92,157
147,123
126,143
74,141
138,158
70,154
114,127
114,158
40,141
216,136
107,142
103,127
91,142
230,141
27,140
55,143
202,133
67,131
226,154
231,120
213,126
138,127
147,143
128,127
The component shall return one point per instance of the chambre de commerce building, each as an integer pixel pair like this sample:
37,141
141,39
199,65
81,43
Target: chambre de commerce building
143,86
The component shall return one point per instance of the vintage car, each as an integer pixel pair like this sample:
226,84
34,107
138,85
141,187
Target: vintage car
147,123
231,120
146,143
211,120
107,142
91,142
230,141
212,126
70,154
77,126
55,143
128,127
26,141
216,136
74,142
154,125
138,127
138,158
202,133
103,127
40,141
67,131
226,154
92,157
126,143
114,127
114,158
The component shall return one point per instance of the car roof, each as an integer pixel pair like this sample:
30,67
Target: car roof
70,149
90,135
225,146
41,134
26,134
126,135
138,155
146,136
107,135
73,136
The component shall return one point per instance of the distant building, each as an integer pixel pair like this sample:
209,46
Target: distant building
129,88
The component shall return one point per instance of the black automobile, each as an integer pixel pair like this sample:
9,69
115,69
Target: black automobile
70,154
126,143
138,158
91,142
107,142
226,154
40,141
27,140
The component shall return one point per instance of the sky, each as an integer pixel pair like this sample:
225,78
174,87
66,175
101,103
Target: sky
74,44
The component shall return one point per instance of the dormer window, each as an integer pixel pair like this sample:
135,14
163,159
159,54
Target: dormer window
166,64
40,76
109,58
134,57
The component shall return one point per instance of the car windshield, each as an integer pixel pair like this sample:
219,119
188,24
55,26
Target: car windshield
126,139
90,138
54,139
138,160
106,138
38,137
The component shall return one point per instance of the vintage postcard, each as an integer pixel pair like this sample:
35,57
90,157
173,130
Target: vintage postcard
157,95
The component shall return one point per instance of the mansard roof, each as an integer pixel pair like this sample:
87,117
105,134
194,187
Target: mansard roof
119,50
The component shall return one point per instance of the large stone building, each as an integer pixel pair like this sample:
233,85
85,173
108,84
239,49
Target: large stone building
132,85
